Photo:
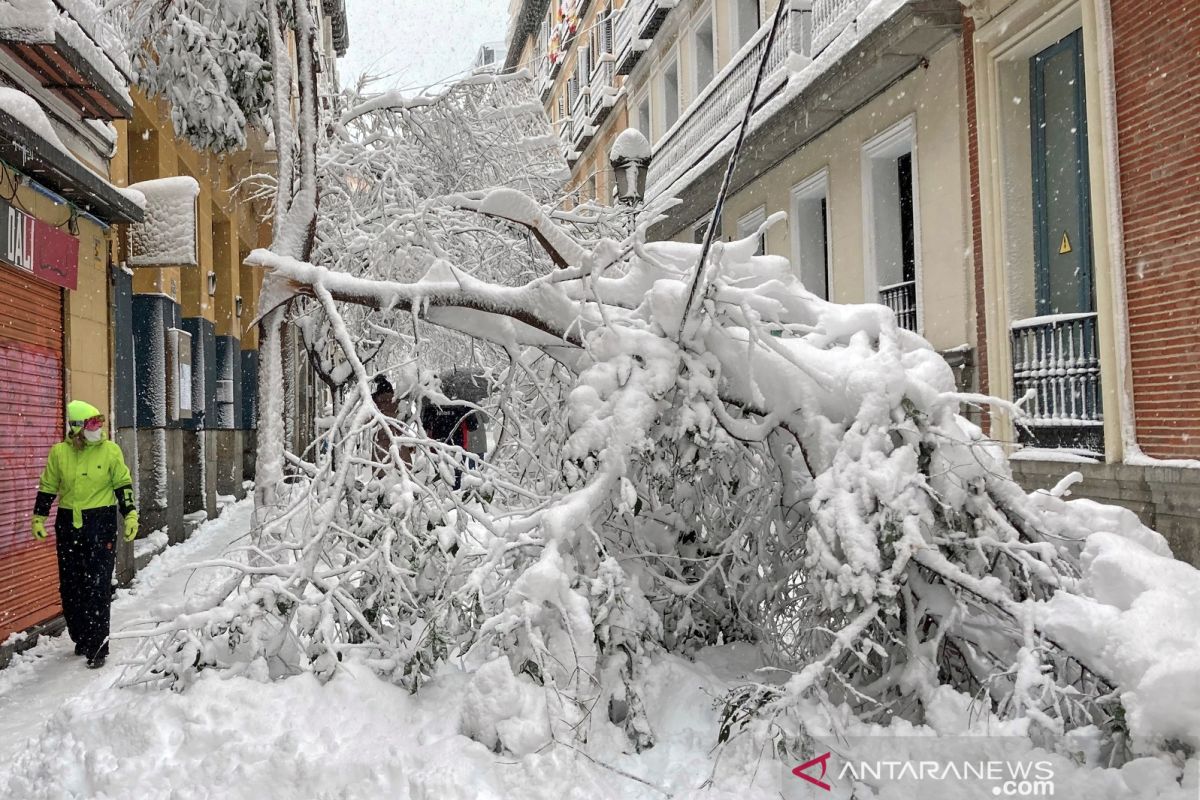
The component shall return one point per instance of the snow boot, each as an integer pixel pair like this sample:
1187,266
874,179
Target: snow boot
79,651
96,662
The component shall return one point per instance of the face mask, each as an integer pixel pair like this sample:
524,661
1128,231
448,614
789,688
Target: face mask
93,436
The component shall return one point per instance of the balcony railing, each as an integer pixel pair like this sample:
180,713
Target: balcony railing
719,108
637,22
1058,358
901,298
703,133
604,89
831,17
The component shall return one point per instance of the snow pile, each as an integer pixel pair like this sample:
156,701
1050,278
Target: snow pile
358,737
1138,617
355,737
505,713
631,144
27,20
167,234
156,542
91,18
29,113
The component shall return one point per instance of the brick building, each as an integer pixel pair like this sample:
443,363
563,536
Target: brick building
1084,172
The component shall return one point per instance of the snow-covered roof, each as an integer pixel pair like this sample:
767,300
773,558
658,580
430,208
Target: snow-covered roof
77,30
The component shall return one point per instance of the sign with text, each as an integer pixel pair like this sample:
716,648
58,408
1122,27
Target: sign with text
38,247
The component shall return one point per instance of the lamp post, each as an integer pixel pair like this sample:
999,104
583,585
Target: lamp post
630,161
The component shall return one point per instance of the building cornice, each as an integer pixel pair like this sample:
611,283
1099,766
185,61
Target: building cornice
523,23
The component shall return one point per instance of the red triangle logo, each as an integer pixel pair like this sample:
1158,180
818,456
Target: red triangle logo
799,771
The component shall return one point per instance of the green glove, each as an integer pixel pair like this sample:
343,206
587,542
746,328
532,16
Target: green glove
131,525
39,527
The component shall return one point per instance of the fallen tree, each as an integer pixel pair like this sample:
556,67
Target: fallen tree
761,465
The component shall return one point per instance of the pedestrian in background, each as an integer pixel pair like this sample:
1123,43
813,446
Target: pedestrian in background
87,474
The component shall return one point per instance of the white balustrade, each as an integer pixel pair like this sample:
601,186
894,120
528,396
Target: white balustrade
1058,358
830,18
901,298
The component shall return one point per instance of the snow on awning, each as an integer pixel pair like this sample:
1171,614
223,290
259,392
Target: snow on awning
29,143
64,58
167,236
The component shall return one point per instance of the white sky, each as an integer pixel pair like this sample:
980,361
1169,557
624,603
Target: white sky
418,42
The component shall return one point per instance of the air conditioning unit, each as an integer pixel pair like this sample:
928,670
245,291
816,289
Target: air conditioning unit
224,391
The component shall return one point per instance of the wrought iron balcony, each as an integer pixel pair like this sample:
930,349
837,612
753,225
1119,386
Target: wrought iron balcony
719,108
901,298
637,22
1058,357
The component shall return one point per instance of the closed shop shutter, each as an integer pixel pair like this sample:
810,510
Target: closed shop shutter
31,420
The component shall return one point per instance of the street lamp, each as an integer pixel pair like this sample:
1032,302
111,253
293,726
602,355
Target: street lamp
630,160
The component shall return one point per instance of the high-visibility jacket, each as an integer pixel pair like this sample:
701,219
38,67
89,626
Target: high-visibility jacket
82,479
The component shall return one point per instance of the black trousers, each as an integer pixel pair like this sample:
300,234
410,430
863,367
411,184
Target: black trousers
86,557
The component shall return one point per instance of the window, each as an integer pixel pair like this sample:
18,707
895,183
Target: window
1049,258
891,222
699,231
750,223
670,93
607,29
810,233
704,55
584,67
745,21
642,115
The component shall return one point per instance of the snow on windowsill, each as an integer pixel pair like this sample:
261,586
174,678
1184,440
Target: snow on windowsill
1051,454
1140,459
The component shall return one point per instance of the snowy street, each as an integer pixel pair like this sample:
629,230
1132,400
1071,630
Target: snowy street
356,737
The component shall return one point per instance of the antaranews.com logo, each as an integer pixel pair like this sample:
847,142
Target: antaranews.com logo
965,767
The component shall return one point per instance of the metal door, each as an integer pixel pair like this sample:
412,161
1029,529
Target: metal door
31,420
1061,191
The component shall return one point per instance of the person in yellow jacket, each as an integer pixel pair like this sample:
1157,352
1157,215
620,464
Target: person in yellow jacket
87,474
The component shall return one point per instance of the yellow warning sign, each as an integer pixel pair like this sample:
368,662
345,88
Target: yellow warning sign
1065,247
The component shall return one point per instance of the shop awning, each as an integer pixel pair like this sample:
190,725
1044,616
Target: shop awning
64,70
29,150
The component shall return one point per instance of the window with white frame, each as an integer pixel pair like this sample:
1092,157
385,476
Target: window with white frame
704,55
745,14
891,215
669,92
810,233
641,119
748,225
700,230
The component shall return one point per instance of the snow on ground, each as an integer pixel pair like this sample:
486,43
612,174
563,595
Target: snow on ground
41,680
66,732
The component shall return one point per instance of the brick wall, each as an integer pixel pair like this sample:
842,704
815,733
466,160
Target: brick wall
981,349
1156,48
